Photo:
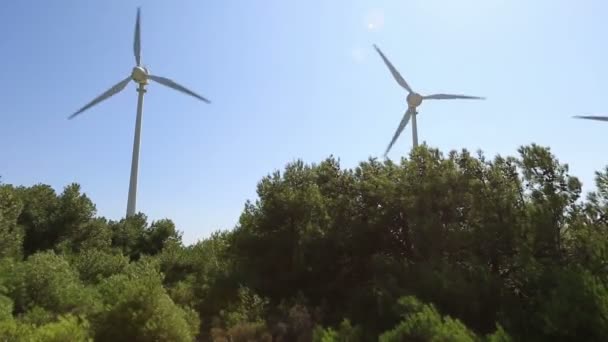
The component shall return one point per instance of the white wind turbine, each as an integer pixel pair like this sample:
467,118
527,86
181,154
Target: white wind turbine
139,75
413,101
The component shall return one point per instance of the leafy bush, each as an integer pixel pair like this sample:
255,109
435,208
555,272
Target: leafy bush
47,280
93,265
66,328
422,322
345,333
137,307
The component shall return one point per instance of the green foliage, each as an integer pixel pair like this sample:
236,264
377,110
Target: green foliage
37,316
504,249
500,335
137,308
11,234
423,323
93,265
349,333
63,221
320,334
40,204
66,328
134,237
249,308
73,221
345,333
576,308
158,235
47,280
206,274
94,234
128,234
476,235
6,308
242,332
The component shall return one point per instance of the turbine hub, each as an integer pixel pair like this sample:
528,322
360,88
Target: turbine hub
140,75
414,100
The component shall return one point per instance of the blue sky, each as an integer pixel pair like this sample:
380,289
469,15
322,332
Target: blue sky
288,80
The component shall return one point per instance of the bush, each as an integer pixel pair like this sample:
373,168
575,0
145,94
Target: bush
242,332
137,308
66,328
6,308
345,333
423,323
47,280
94,265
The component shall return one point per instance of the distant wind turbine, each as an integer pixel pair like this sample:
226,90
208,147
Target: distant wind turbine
592,117
139,75
413,101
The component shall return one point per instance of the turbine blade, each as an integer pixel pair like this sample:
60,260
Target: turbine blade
137,41
451,97
592,117
394,71
106,95
402,124
171,84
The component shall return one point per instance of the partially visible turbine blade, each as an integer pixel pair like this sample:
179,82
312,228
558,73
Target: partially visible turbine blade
592,117
451,97
137,41
171,84
402,124
112,91
394,71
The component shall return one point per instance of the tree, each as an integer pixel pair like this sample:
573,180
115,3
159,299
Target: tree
66,328
435,246
128,234
423,323
47,281
11,234
137,308
94,265
37,217
158,235
63,221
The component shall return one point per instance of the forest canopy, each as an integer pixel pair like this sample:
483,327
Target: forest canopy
436,247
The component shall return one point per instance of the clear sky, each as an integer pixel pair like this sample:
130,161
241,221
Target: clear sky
288,80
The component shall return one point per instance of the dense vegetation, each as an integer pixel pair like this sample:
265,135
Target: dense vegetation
435,248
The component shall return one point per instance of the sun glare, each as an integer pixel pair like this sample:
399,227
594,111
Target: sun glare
374,20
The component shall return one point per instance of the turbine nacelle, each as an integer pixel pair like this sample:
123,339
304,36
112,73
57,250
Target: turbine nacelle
140,75
414,100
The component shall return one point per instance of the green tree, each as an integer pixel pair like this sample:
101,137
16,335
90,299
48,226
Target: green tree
137,308
423,323
47,280
575,309
160,234
94,265
504,249
40,203
11,234
128,234
66,328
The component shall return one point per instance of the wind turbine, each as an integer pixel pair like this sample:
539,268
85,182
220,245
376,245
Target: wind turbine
140,76
414,100
592,117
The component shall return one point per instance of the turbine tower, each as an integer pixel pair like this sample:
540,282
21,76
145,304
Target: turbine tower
414,100
140,76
